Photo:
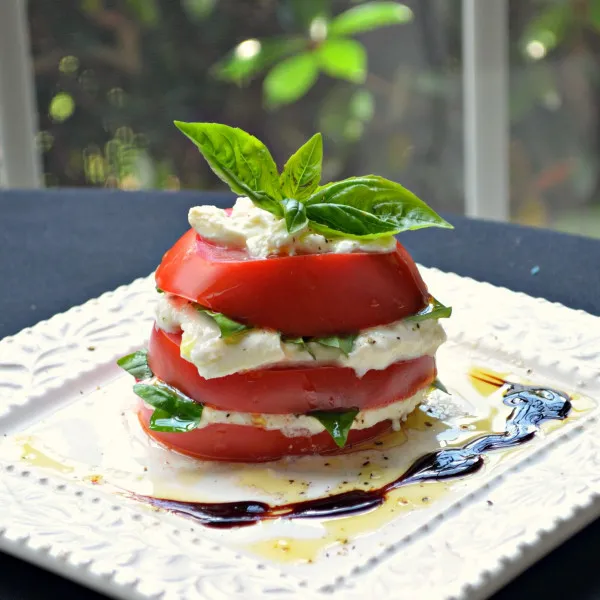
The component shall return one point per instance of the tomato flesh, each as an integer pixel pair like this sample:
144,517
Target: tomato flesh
303,295
292,390
242,443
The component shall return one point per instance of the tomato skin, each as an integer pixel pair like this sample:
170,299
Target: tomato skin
242,443
303,295
294,390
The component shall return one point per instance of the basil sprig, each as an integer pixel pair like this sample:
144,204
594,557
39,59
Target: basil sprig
434,310
227,326
367,207
336,422
136,364
173,411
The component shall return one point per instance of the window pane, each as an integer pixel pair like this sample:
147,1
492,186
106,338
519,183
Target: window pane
554,100
112,76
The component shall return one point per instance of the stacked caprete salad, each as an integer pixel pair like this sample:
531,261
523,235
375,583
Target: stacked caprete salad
293,323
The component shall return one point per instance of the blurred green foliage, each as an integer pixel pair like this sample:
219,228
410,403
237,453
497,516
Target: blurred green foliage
325,47
381,80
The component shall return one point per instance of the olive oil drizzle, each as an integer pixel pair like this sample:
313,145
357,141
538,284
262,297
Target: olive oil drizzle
532,406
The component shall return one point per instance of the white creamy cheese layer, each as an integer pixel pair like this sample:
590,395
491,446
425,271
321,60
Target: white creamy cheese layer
374,348
263,234
297,425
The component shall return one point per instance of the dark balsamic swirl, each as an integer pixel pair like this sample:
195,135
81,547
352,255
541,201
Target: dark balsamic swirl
532,406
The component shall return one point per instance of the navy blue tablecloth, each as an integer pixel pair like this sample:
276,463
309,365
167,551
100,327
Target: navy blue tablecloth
59,248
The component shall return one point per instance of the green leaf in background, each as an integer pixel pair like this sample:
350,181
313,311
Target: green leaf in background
362,105
434,310
136,364
337,423
343,343
174,412
438,385
551,25
240,160
390,208
302,172
294,213
198,10
228,327
370,15
594,13
344,113
304,12
147,11
290,79
252,56
343,59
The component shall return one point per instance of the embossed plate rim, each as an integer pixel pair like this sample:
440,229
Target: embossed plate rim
27,539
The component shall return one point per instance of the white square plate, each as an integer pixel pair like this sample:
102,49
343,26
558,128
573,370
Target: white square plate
73,451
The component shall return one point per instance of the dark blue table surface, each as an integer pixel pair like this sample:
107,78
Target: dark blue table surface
59,248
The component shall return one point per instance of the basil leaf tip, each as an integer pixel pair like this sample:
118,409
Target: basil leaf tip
337,423
438,385
299,341
433,310
136,364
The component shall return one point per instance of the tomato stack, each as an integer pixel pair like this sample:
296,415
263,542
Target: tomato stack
302,295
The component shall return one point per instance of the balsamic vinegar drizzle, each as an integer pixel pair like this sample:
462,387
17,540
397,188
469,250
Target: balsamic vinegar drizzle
532,406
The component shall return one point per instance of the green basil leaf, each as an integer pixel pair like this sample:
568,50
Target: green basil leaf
299,341
345,344
228,326
240,160
343,59
333,220
294,213
433,310
337,423
173,410
163,420
381,207
290,79
368,16
160,291
251,57
438,385
136,364
302,172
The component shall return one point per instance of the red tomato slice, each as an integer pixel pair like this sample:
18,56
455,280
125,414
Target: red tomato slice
241,443
311,294
293,390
